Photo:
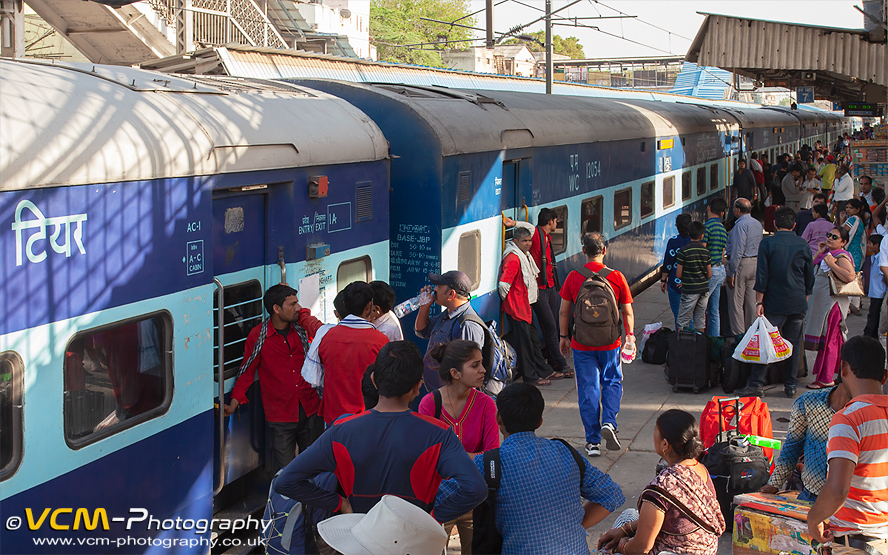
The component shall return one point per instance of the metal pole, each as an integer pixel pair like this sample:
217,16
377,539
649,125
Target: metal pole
489,9
549,61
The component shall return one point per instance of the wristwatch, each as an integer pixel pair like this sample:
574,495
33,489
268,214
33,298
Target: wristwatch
563,336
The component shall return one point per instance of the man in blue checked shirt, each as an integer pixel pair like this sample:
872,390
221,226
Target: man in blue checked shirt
807,434
538,505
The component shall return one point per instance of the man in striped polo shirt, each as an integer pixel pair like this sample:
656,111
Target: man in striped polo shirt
694,270
855,496
716,238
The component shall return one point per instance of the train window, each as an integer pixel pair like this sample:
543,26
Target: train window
356,269
468,256
243,310
713,177
116,377
647,199
622,208
11,371
558,237
685,185
592,211
669,191
701,181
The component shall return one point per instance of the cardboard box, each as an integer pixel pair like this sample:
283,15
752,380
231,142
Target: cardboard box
771,524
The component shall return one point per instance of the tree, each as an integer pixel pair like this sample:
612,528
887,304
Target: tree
397,22
569,47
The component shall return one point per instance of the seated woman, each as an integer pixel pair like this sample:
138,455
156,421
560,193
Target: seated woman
678,512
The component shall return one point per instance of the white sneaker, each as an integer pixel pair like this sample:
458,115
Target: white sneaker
593,450
610,437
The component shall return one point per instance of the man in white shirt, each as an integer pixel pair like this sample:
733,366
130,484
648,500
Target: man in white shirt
810,187
843,191
382,316
877,286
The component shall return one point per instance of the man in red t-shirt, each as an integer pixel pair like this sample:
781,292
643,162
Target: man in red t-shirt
548,302
346,351
598,369
518,290
290,404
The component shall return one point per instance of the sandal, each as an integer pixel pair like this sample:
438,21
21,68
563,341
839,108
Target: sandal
556,376
567,373
818,385
539,383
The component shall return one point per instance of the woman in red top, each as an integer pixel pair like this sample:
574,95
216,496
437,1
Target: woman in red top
470,413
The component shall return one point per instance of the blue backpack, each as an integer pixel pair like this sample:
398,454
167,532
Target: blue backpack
288,527
497,356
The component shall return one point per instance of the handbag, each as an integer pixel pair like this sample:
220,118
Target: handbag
839,288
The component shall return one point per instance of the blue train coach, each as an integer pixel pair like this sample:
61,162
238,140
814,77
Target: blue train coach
463,158
133,207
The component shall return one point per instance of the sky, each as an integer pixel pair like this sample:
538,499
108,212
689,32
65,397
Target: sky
678,20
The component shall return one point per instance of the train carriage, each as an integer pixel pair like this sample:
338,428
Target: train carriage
131,204
463,158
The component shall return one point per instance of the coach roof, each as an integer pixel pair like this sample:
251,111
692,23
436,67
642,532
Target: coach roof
70,124
466,121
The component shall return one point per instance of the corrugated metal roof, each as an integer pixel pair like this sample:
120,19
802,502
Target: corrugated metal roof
731,42
271,63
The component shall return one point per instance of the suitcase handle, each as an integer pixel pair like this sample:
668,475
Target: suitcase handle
725,400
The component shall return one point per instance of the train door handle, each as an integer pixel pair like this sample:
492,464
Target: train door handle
283,265
220,379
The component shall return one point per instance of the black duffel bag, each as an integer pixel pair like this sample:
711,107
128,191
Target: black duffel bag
656,347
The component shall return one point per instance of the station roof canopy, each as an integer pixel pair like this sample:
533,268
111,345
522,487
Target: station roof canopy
841,64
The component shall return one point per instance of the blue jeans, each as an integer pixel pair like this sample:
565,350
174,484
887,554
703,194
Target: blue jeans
599,388
674,303
713,322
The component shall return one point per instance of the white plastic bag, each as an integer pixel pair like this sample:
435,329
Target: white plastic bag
762,344
649,330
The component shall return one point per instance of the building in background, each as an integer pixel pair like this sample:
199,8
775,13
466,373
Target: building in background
508,59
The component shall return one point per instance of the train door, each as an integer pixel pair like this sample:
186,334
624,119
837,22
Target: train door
239,238
517,192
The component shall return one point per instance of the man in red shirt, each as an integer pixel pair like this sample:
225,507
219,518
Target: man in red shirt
598,367
518,290
276,350
548,302
346,351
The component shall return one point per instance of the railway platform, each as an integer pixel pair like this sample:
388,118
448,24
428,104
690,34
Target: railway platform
646,394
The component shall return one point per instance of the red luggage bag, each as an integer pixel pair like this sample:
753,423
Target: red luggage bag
755,419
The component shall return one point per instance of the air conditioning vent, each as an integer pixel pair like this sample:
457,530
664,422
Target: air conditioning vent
465,188
364,201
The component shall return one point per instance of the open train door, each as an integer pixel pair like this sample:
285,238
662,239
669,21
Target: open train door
239,249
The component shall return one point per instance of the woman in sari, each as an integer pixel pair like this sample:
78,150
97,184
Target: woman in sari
856,242
825,329
678,512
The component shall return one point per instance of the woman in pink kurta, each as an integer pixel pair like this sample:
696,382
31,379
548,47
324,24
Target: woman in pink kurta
470,413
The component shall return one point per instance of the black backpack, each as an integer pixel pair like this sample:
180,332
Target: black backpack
497,356
656,347
596,313
486,539
736,466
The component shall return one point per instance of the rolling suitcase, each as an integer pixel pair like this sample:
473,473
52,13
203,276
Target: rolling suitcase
735,465
688,361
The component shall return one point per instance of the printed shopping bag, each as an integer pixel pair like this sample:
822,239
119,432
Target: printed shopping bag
762,344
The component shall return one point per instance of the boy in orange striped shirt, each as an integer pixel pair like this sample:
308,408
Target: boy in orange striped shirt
855,496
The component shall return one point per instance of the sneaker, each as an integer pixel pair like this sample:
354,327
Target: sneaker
749,391
593,450
610,437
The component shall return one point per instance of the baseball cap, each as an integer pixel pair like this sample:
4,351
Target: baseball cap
830,158
456,280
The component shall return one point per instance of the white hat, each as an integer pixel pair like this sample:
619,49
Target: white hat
392,527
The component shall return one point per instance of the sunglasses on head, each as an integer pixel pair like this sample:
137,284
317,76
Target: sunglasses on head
833,236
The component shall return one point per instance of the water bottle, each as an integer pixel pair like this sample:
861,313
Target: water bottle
627,354
410,305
